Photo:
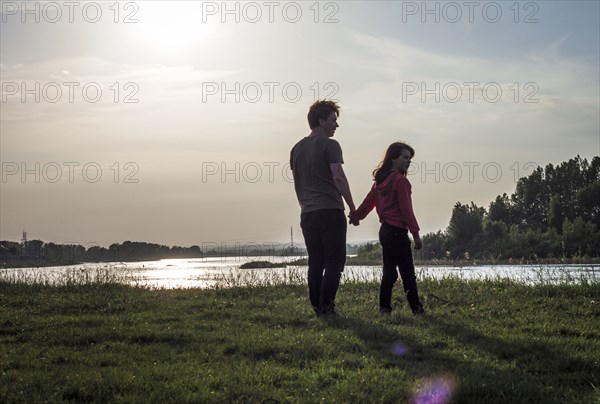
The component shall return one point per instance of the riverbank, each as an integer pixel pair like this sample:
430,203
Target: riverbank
357,260
493,341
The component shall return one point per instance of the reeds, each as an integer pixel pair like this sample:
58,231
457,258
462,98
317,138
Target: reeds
234,277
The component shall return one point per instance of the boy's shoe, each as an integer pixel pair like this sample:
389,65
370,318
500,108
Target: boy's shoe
419,312
385,310
328,310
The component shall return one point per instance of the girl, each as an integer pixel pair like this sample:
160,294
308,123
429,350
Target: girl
391,195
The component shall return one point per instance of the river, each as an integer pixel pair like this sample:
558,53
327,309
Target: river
226,272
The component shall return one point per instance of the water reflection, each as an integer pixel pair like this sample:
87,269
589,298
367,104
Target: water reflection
226,272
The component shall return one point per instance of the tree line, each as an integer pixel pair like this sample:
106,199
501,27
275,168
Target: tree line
553,213
42,253
39,253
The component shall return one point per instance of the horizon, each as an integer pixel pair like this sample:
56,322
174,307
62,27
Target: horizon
171,123
227,247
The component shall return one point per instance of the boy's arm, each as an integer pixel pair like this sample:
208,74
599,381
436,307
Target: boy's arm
341,182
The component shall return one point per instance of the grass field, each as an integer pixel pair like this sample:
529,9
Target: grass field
481,342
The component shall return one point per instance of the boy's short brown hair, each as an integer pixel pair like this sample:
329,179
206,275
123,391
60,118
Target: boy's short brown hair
321,109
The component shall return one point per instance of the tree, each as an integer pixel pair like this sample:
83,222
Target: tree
370,252
495,238
531,201
34,248
580,238
501,210
466,225
588,199
555,214
434,246
195,251
9,247
564,181
52,252
97,254
114,251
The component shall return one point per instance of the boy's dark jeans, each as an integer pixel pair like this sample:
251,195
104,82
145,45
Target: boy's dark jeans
397,254
325,237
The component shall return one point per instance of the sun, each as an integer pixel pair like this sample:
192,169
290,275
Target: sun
173,26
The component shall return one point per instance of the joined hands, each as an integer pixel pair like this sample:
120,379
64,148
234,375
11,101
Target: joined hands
353,221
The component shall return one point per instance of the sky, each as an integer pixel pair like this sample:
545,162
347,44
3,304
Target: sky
172,122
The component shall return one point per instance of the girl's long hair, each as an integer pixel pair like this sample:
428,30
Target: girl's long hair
385,166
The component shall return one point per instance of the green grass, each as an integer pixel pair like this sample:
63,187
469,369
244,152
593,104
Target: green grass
494,341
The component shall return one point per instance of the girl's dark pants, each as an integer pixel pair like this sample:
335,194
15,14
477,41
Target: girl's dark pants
397,254
325,238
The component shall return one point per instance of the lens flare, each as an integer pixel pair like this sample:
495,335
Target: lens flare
400,349
434,391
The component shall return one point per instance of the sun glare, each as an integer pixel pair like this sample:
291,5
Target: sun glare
172,26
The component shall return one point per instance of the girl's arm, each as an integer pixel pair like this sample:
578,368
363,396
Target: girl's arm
367,205
405,200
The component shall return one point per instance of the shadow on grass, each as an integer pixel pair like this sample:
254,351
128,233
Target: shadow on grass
484,368
523,367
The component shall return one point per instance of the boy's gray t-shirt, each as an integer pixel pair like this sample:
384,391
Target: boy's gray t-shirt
313,180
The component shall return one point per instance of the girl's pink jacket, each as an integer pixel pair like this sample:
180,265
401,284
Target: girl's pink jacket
393,201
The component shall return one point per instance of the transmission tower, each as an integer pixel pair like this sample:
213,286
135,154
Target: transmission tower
24,242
